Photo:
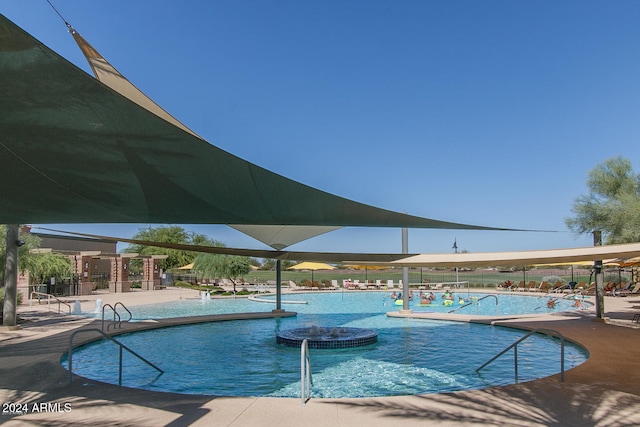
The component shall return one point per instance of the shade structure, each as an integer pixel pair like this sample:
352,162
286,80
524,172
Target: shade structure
186,267
75,150
481,259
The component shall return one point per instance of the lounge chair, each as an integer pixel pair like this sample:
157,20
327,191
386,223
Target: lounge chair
334,285
532,286
390,284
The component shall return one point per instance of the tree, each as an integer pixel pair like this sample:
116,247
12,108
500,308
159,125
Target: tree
31,241
222,266
170,234
612,205
43,266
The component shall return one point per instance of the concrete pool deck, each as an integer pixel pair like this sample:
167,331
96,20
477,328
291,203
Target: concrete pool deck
604,391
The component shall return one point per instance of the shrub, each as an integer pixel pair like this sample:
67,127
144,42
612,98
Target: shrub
2,300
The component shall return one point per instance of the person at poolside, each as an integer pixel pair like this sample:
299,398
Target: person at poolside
577,303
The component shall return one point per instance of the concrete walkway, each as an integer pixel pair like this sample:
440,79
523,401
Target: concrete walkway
604,391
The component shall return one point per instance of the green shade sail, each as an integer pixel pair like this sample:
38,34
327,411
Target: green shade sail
73,150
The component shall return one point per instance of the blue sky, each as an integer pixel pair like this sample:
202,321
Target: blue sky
481,112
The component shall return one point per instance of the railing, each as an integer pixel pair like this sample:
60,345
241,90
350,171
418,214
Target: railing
515,351
49,296
305,373
476,302
122,346
117,320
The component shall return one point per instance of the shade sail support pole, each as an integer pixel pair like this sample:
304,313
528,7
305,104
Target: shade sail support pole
597,269
278,284
405,273
9,317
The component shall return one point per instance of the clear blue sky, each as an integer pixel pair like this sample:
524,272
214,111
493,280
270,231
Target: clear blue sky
482,112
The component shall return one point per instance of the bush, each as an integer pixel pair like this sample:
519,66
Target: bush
2,300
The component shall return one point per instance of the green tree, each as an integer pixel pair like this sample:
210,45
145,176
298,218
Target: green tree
222,266
43,266
612,205
170,234
24,252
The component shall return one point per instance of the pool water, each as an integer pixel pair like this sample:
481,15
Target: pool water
242,358
354,302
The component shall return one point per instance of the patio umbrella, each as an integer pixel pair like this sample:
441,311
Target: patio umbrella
366,268
311,266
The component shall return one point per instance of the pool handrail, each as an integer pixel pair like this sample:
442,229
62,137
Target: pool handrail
122,346
49,296
550,332
476,302
305,372
125,308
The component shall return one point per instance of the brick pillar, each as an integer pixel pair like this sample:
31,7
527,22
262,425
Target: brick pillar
119,275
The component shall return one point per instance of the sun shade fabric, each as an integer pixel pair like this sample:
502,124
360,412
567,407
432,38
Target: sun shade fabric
481,259
73,150
257,253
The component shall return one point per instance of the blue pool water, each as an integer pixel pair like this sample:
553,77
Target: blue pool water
242,358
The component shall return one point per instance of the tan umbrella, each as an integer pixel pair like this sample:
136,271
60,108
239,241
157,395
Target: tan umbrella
366,268
311,266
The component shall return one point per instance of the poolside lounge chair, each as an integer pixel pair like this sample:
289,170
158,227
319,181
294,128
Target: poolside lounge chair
334,285
390,284
294,286
532,286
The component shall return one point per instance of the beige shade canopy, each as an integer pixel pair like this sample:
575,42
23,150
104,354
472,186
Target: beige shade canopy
482,259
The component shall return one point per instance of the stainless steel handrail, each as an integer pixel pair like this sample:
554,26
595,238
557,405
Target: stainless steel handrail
125,308
305,372
515,351
122,346
117,319
476,302
116,322
49,296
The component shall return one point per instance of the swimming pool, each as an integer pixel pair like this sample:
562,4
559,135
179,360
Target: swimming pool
242,358
354,302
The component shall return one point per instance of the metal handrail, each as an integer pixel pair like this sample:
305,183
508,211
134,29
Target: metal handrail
515,351
476,302
49,296
122,346
117,319
125,308
305,372
116,323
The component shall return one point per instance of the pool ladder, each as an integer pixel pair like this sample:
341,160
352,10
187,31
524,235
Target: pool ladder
122,347
305,373
117,320
550,332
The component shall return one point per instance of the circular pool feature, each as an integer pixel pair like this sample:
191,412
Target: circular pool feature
327,338
242,357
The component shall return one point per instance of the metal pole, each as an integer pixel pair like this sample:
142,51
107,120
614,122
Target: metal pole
9,317
278,284
597,267
405,272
